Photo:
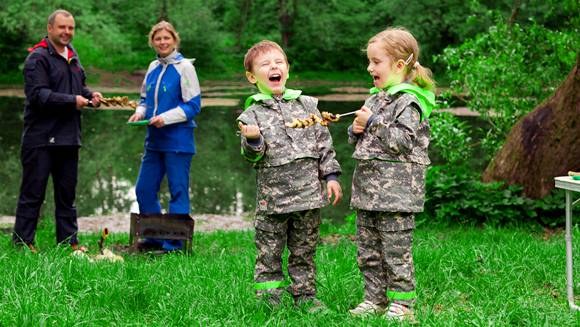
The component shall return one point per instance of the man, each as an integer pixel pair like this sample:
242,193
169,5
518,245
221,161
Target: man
54,85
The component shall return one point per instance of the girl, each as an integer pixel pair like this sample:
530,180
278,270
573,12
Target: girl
391,133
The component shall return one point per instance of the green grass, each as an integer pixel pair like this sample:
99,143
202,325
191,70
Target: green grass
465,276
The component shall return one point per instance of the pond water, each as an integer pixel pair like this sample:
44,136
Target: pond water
222,182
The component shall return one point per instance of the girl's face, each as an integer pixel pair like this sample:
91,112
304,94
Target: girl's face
163,43
384,71
269,72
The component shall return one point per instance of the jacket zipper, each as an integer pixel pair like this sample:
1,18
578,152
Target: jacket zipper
157,88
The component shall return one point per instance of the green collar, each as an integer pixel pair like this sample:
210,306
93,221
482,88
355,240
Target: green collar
426,98
289,94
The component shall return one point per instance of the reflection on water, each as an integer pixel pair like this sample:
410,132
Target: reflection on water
221,181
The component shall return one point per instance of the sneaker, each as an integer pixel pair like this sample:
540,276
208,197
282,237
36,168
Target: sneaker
399,312
367,308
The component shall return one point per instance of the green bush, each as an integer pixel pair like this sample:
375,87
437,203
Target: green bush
492,69
456,194
450,139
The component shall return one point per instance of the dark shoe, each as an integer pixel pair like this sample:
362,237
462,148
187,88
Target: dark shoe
32,248
172,245
26,247
149,245
76,247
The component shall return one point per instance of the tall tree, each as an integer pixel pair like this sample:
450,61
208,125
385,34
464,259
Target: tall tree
244,6
287,16
544,143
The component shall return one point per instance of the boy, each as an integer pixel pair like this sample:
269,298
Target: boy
292,167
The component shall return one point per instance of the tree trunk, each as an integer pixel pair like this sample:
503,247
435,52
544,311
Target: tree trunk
245,7
286,19
515,11
543,144
163,12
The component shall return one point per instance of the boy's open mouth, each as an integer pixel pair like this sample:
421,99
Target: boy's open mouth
275,78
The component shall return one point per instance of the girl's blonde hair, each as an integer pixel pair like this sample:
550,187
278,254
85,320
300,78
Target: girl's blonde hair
163,25
399,43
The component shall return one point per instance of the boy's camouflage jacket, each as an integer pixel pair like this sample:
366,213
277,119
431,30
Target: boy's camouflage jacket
290,162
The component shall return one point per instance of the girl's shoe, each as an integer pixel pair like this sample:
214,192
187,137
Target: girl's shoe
367,308
399,312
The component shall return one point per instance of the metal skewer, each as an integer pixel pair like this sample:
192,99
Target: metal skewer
346,114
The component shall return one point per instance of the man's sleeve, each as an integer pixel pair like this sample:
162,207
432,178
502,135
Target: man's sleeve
37,86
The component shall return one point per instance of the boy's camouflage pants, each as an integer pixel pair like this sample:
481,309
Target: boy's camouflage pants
298,231
385,256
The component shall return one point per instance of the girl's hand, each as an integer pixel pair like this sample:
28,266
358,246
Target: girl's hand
135,117
333,187
250,132
157,121
360,122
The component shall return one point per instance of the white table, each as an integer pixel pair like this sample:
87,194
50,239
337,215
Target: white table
570,185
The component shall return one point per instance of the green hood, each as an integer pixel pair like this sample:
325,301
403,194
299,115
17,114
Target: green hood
289,94
426,98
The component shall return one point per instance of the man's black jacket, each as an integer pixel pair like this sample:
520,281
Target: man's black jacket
51,84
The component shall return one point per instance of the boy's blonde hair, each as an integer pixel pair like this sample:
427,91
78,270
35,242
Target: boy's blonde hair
400,44
163,25
259,48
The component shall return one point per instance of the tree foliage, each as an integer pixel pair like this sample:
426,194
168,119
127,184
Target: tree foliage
320,35
508,70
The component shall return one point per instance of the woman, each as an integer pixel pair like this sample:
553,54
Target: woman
170,100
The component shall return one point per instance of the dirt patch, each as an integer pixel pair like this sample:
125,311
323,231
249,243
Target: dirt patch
120,223
343,97
351,89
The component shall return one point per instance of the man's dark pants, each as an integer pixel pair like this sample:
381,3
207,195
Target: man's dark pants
38,163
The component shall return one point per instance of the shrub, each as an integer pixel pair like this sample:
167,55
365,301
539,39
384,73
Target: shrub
492,68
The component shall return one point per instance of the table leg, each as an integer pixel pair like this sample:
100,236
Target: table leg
569,262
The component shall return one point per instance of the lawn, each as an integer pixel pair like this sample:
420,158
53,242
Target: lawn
465,276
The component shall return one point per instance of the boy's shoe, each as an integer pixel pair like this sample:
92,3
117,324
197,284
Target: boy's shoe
399,312
367,308
311,304
271,299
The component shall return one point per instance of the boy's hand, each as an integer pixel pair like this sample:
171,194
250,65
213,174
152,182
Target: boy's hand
360,122
250,132
333,187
